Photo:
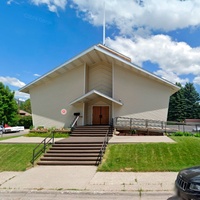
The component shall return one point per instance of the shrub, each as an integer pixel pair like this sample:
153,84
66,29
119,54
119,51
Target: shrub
187,134
31,127
197,134
179,133
25,121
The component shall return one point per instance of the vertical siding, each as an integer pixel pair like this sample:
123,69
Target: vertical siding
49,98
100,78
141,96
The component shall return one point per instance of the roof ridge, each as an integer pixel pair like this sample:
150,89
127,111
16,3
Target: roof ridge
115,52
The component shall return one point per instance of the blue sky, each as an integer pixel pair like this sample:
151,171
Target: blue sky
39,35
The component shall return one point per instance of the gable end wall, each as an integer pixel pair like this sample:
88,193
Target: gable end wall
142,97
50,97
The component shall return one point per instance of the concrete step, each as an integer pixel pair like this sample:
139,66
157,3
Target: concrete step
87,135
77,145
71,155
68,158
74,151
89,131
86,140
93,127
74,148
67,163
81,148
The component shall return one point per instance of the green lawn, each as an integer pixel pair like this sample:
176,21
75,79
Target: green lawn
120,157
56,135
152,156
15,157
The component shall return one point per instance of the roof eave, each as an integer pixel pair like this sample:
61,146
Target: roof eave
174,87
97,93
25,88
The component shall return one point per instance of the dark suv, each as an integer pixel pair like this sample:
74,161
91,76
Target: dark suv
188,183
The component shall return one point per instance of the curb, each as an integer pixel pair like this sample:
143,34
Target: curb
56,191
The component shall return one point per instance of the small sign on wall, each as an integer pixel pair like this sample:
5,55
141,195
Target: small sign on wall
63,111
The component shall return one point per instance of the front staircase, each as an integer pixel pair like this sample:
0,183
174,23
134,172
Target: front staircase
81,148
90,131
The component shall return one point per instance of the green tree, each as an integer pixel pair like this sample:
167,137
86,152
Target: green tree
26,106
177,105
184,104
192,98
25,121
8,106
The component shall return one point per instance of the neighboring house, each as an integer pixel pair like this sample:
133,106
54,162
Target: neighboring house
24,113
100,84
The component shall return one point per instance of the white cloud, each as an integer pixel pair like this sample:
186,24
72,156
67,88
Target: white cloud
22,96
53,5
37,75
9,2
174,58
171,76
128,15
197,80
12,81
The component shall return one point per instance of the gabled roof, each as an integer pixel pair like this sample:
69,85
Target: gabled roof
94,93
97,53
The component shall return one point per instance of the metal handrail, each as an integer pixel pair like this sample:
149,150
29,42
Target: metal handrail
103,147
139,123
74,121
43,146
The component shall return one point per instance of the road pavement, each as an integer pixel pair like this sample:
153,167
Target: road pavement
77,195
87,179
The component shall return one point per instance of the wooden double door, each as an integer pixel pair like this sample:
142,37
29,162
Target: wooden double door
100,115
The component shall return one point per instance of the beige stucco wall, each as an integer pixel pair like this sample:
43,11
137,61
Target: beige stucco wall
49,98
142,97
99,78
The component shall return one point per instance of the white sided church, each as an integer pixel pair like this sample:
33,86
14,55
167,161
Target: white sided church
99,84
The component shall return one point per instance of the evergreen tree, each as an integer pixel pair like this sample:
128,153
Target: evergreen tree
177,105
184,104
8,106
191,98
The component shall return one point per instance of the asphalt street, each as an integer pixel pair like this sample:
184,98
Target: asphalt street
61,195
15,134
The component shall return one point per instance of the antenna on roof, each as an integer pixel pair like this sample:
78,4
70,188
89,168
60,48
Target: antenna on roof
104,24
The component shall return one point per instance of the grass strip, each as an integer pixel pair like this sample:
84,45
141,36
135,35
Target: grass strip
151,157
43,135
15,157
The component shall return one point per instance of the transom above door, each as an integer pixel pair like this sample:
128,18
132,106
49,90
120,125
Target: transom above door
100,115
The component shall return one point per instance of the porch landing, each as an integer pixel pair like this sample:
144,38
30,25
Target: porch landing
140,139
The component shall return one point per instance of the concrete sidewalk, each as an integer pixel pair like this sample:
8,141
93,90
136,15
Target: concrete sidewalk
86,178
140,139
113,140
